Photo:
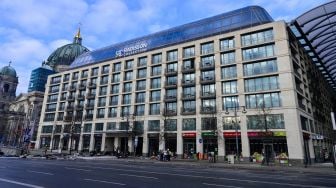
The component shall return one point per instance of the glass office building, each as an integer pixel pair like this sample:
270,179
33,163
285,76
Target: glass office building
236,83
38,79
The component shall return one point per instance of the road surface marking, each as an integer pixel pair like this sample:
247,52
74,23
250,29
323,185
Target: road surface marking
138,176
46,173
328,179
20,183
102,181
78,169
210,184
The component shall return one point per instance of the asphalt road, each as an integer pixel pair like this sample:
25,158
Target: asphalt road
18,173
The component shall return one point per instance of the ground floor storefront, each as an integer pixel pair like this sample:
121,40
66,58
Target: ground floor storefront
253,146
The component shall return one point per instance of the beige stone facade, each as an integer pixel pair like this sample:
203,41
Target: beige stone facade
86,118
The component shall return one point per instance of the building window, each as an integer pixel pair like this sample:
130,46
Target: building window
110,126
229,72
230,102
171,93
142,61
53,89
114,100
258,52
140,110
116,78
261,84
188,64
189,106
154,109
170,108
101,113
115,89
47,129
172,80
99,126
257,38
228,58
141,85
209,105
101,101
128,75
154,125
60,116
87,128
125,110
66,77
128,87
56,80
127,99
209,89
156,58
207,61
170,125
155,83
260,68
104,80
172,55
189,78
142,73
273,121
209,123
106,69
49,117
266,100
229,87
103,90
129,64
189,124
117,67
94,71
189,91
112,112
171,67
85,74
231,123
140,97
227,44
189,52
156,70
207,48
208,75
155,96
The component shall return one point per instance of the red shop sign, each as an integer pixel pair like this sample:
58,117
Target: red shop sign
231,134
260,134
189,135
253,134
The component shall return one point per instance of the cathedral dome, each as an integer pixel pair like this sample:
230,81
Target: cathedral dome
65,55
8,71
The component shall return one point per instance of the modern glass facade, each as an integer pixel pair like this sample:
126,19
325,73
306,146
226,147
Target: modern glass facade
38,79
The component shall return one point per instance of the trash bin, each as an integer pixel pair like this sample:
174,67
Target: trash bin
231,159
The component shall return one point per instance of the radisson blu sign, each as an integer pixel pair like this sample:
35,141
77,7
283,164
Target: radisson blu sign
132,49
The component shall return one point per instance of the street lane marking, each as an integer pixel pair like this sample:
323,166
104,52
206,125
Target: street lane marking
138,176
46,173
20,183
328,179
78,169
102,181
231,186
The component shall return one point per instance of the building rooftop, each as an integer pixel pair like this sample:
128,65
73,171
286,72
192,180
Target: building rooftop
223,23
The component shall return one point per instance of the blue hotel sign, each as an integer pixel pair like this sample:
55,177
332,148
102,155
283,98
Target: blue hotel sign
132,49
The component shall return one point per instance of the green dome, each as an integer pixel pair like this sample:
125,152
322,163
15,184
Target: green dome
8,71
66,54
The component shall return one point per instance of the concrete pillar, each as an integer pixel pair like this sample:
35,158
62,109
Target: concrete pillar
117,142
102,147
245,142
221,146
145,145
179,147
130,144
162,141
80,144
92,142
311,149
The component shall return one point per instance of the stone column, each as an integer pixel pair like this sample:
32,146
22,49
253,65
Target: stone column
92,142
102,147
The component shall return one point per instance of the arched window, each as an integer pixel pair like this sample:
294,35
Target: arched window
6,88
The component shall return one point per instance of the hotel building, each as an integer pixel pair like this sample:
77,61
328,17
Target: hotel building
236,82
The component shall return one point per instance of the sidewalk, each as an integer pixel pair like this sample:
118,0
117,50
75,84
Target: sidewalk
324,168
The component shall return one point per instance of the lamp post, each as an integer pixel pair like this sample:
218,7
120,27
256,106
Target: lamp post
128,117
236,108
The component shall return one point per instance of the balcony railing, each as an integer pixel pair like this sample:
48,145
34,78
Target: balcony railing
207,79
188,96
188,111
170,72
90,95
89,117
71,98
170,84
72,88
82,86
188,82
188,69
89,106
208,110
207,65
169,112
170,98
208,94
92,85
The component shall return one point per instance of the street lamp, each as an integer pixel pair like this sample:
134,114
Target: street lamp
128,117
236,108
